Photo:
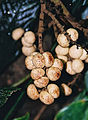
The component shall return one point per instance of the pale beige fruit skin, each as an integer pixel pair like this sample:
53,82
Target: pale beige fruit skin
34,53
32,92
28,50
53,89
25,43
86,61
77,65
46,98
53,73
61,51
58,63
49,59
69,68
17,33
42,82
62,40
73,33
75,52
38,60
37,73
29,37
84,55
63,58
28,62
67,90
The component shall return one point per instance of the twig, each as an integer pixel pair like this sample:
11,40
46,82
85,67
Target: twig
21,81
50,24
55,31
41,28
77,25
74,80
54,27
40,112
71,19
59,2
54,20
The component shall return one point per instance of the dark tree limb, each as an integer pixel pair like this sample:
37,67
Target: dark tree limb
41,26
54,20
74,80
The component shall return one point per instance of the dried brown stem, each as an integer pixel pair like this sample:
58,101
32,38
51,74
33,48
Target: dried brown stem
54,20
55,31
54,27
50,24
74,80
41,26
71,19
59,2
40,112
77,25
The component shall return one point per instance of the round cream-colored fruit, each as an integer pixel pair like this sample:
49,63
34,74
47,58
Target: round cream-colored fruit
32,92
75,52
69,68
29,37
17,33
61,51
53,89
38,60
62,40
67,90
34,53
63,58
53,73
42,82
84,55
25,43
49,59
28,50
86,61
37,73
58,63
77,65
73,33
28,62
46,98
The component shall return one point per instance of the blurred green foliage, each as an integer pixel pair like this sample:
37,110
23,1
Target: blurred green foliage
5,93
78,109
25,117
75,111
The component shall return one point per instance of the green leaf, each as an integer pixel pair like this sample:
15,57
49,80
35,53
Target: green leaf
86,115
81,95
86,80
75,111
25,117
5,93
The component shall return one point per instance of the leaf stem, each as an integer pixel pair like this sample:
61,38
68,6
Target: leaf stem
14,106
21,81
55,44
18,100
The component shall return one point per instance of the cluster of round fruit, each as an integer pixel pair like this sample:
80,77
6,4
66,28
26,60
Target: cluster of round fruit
27,40
43,68
47,95
28,43
73,56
